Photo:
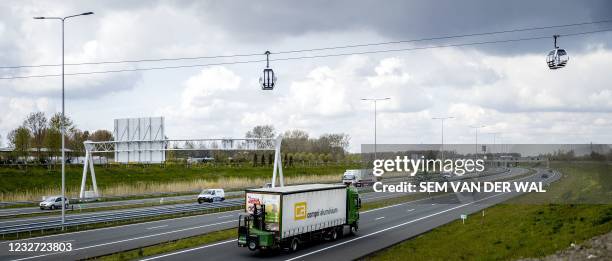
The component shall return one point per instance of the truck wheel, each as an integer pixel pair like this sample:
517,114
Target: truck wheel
252,245
354,229
52,207
334,235
294,245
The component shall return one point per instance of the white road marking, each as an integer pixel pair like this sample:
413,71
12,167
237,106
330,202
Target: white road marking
126,240
189,250
402,224
409,210
157,227
225,216
379,218
107,228
392,227
342,243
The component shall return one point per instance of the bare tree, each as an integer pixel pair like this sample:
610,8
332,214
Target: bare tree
261,132
101,135
295,141
36,122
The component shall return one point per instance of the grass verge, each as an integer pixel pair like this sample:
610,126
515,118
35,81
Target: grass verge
29,184
171,246
523,227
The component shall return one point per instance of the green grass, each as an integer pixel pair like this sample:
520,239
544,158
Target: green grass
172,245
34,179
506,232
520,228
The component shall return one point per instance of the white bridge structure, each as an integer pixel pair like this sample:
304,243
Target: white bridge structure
160,146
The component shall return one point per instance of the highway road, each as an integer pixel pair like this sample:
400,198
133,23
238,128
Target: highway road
379,229
156,210
98,242
90,205
134,203
109,240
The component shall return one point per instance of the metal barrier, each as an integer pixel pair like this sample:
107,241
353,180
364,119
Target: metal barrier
78,220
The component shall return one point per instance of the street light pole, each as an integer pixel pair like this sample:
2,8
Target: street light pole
476,128
494,135
442,121
375,110
62,120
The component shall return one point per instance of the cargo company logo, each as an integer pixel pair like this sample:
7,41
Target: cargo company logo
299,210
322,212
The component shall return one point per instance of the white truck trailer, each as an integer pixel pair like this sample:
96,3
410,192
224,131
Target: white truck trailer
285,217
359,177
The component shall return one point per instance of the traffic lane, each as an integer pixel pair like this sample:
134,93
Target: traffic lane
105,246
21,221
378,238
34,210
98,242
92,205
103,241
228,250
74,216
419,214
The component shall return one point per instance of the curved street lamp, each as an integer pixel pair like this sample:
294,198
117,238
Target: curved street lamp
62,125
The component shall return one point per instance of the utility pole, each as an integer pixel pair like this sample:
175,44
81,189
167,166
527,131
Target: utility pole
476,128
63,120
442,123
375,100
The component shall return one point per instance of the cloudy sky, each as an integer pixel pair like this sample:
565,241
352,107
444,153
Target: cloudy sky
505,86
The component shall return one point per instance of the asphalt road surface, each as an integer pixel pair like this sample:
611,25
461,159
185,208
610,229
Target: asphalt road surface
379,228
76,215
103,241
8,212
90,243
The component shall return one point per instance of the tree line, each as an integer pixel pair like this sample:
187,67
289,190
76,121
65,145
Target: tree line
41,138
297,146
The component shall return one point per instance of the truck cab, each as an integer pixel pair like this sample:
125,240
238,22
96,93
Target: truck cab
211,195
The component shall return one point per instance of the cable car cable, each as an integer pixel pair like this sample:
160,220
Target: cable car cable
312,49
303,57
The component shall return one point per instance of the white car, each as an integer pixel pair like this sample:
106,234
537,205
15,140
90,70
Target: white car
211,195
54,202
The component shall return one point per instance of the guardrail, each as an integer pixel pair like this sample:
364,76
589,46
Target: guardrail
133,214
116,216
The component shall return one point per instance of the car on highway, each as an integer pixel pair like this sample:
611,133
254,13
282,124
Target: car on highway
53,202
544,176
211,195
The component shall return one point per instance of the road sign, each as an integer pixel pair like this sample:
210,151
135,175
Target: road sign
463,218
